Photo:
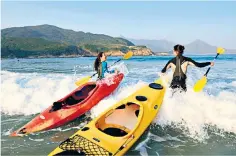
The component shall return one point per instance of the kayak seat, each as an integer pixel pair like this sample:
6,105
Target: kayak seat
84,92
80,95
69,101
72,101
115,132
74,98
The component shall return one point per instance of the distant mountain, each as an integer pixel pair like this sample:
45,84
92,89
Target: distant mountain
195,47
201,47
155,45
49,40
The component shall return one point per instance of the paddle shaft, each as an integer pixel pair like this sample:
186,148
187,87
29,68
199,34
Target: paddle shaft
115,63
210,67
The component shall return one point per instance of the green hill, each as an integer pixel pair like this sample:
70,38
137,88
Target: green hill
53,33
46,40
36,47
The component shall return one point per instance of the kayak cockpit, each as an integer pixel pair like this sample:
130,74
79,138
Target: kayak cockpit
80,95
120,121
75,98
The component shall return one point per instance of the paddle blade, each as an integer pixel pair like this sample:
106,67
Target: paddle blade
128,55
200,84
220,50
83,81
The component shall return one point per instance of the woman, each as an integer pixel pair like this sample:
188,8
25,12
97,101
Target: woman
179,66
100,65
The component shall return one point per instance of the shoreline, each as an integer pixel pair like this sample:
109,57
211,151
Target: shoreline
76,56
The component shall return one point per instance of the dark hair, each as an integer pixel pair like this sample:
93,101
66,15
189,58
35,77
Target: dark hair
179,48
98,61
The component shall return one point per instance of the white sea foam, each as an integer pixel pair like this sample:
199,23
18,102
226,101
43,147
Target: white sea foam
32,93
196,110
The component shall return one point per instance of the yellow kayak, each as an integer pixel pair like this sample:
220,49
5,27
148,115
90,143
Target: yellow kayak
119,127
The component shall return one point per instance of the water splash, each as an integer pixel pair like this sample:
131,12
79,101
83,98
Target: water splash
32,93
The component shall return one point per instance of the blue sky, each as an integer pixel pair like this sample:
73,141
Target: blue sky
180,22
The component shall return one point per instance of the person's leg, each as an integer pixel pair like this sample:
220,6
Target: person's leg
175,83
174,86
178,84
183,85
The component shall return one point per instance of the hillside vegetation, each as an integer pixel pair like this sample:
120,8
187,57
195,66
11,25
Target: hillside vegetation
48,40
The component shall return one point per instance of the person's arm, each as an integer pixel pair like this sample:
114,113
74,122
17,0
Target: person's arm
106,69
197,64
167,66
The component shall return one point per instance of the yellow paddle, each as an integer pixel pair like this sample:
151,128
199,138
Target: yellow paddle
200,84
86,79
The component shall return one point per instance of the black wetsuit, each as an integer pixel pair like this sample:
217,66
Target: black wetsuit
179,77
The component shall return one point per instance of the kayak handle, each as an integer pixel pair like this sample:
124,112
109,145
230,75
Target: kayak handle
128,140
131,137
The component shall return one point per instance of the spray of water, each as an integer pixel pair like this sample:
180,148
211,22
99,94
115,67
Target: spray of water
32,93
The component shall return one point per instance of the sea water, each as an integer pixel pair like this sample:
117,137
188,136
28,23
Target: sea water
188,123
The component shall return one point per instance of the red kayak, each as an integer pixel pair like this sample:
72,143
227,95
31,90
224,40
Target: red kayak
75,104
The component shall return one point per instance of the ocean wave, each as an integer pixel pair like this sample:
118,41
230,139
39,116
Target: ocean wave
32,93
